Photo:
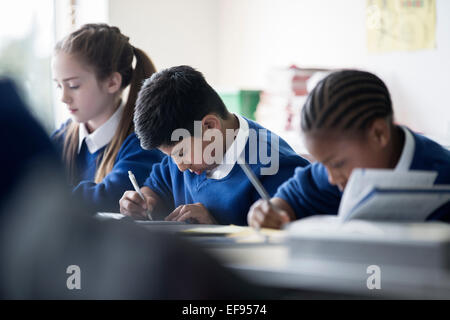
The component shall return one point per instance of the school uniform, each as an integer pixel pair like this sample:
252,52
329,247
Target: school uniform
105,196
308,192
41,238
226,191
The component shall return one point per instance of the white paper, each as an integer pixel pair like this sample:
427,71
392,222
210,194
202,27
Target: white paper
111,215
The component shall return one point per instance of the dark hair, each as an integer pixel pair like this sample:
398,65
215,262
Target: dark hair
171,99
346,100
106,50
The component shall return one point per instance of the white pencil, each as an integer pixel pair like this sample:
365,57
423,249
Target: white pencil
257,184
138,190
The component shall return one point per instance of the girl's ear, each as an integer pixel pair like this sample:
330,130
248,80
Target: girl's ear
114,82
380,132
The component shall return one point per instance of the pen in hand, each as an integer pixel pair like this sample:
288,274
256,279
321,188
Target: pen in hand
138,190
257,184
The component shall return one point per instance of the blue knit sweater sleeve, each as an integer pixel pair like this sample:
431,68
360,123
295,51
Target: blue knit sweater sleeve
160,180
105,196
287,167
308,192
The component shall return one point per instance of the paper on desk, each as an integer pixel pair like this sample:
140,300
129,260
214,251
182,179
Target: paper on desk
238,233
265,235
362,181
322,226
331,227
110,215
214,230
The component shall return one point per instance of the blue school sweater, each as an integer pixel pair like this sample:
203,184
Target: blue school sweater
308,192
105,196
228,199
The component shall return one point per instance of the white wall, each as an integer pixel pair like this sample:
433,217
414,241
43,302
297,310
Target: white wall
172,32
256,35
259,34
236,42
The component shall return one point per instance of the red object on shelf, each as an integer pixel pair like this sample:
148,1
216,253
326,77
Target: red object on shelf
300,79
299,84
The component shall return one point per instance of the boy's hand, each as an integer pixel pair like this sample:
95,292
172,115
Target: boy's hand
196,212
131,203
263,215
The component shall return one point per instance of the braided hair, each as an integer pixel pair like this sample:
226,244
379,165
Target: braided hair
346,100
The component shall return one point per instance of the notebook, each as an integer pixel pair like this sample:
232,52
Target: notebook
380,194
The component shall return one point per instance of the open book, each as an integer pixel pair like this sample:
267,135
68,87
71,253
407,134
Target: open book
380,194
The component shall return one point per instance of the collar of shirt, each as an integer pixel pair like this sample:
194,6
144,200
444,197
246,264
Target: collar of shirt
232,154
102,136
407,155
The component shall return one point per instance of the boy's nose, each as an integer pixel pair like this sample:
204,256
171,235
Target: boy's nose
331,178
336,179
182,166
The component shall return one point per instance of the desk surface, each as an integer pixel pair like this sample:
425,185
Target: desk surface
271,263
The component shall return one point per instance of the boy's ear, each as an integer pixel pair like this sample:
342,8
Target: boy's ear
380,132
114,82
211,121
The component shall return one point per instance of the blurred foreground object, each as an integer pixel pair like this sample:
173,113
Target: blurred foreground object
45,233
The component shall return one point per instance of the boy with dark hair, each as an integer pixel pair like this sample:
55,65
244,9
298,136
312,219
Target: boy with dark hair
179,113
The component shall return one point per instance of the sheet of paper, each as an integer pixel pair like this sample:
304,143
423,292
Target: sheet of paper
363,180
110,215
323,226
214,230
237,234
330,227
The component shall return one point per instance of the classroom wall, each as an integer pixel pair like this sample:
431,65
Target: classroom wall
256,35
172,32
236,42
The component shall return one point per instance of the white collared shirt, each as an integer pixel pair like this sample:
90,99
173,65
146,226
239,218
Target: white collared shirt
406,158
232,154
102,135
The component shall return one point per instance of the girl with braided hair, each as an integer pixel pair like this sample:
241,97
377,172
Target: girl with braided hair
347,122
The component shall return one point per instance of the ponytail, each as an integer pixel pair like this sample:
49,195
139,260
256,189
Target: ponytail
144,69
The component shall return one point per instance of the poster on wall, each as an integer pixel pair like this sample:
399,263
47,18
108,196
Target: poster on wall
400,25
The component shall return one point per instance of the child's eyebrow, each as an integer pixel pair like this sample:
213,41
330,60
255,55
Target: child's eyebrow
71,78
67,79
327,160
